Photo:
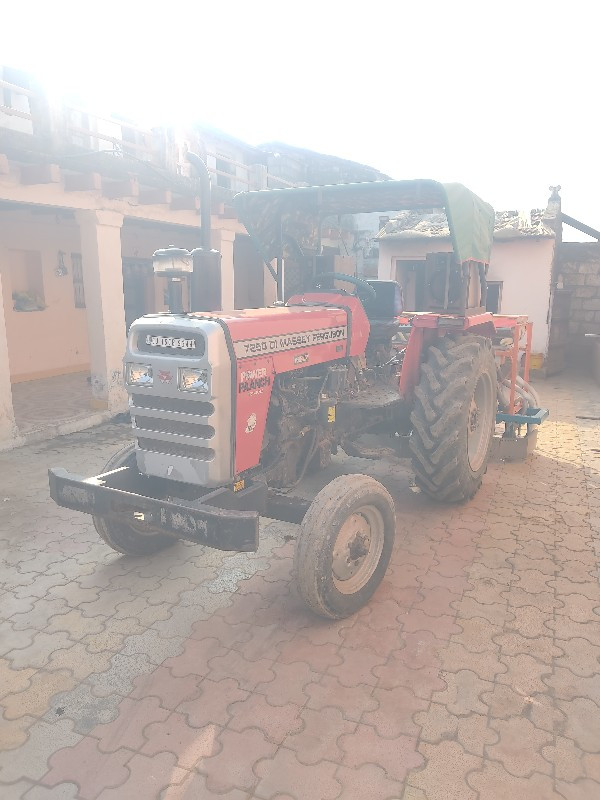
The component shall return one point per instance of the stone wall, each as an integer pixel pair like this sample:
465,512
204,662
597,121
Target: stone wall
579,265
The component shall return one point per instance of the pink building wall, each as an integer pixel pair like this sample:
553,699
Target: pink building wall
53,341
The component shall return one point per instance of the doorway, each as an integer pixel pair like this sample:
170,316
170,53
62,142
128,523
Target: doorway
494,296
138,288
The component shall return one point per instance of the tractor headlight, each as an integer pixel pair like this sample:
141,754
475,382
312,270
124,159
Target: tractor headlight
193,380
139,375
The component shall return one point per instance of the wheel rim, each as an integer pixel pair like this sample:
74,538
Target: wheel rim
479,422
357,549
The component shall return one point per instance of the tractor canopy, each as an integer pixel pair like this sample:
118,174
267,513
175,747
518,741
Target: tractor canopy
280,218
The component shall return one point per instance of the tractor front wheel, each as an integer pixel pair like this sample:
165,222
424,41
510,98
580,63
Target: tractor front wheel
138,539
453,418
344,545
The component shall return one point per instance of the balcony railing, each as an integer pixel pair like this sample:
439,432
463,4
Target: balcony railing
27,111
95,132
14,106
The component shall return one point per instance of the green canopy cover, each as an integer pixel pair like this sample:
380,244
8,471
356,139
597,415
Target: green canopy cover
274,217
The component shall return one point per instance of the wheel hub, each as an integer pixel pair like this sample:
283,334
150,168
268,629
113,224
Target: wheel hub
351,547
357,549
473,417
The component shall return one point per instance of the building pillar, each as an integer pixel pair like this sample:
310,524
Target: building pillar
223,240
8,428
100,233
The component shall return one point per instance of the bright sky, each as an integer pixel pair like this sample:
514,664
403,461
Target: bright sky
499,96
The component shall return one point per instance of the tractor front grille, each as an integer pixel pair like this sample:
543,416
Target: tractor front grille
155,403
157,425
175,449
173,426
182,435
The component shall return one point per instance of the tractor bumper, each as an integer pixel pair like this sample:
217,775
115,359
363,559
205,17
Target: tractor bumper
222,519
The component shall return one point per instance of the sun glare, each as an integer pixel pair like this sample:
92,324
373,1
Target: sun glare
464,92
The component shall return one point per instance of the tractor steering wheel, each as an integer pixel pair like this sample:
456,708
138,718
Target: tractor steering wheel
367,290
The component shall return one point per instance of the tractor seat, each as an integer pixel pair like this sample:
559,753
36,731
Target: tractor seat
383,310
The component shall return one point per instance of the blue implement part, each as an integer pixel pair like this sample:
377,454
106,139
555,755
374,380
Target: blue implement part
533,416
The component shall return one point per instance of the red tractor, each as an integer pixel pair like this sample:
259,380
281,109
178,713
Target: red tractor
232,409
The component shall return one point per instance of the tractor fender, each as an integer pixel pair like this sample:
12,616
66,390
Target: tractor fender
420,337
486,328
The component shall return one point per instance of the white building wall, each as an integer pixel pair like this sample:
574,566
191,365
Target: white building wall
524,266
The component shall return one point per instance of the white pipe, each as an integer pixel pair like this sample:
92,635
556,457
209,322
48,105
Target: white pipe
523,390
525,396
503,396
530,390
528,400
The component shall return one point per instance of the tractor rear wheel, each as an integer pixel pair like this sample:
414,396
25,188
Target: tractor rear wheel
344,545
453,418
132,540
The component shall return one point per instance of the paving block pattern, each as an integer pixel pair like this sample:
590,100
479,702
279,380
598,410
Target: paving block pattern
474,673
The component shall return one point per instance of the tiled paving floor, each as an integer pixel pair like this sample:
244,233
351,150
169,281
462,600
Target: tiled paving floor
472,675
49,401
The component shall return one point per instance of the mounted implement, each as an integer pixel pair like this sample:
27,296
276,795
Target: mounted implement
231,410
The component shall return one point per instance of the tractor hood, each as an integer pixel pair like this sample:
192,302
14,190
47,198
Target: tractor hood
278,218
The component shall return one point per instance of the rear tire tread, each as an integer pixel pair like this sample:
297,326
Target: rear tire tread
439,436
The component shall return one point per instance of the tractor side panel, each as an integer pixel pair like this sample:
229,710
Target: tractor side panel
284,340
358,322
290,351
254,385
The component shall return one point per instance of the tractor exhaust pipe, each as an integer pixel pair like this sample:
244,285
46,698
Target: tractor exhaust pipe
205,289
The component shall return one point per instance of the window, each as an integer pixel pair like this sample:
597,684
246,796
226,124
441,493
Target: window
16,100
494,296
77,273
7,95
410,274
26,280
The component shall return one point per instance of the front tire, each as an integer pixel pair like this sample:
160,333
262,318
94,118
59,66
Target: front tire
344,545
453,418
127,539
